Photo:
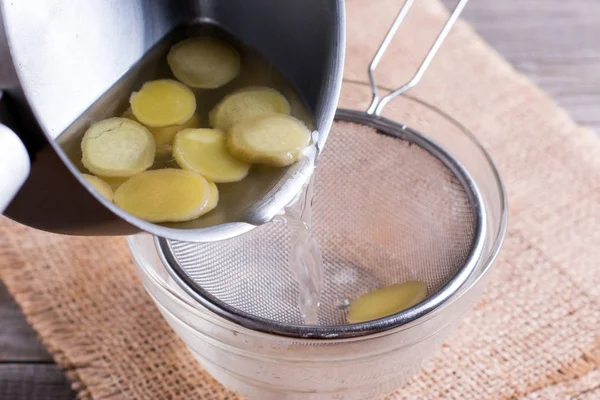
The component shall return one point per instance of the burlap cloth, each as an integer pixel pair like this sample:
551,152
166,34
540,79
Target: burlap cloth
535,333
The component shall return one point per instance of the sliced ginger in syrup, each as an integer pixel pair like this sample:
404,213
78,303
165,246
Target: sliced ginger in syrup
164,135
117,147
163,102
245,104
161,127
213,200
113,182
101,186
205,151
165,195
273,139
204,62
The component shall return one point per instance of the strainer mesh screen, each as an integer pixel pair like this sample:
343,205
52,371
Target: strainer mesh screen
385,211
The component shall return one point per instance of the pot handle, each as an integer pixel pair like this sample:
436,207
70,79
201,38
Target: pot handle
14,165
14,159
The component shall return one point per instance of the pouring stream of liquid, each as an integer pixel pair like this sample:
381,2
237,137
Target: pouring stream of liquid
305,259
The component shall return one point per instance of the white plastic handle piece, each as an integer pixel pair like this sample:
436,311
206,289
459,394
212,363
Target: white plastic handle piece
14,165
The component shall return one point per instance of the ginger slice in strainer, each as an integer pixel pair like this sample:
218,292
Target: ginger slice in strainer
391,299
117,147
273,139
247,103
205,151
102,187
163,102
165,195
204,62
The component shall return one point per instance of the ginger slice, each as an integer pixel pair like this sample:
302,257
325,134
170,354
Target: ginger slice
204,62
390,300
163,102
205,151
213,200
113,182
245,104
164,135
273,139
117,147
165,195
102,187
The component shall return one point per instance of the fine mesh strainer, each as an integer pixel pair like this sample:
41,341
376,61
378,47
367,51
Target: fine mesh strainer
390,205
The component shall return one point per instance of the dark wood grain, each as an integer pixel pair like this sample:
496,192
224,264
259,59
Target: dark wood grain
556,43
18,341
34,382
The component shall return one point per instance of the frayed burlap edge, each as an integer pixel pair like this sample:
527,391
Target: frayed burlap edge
44,321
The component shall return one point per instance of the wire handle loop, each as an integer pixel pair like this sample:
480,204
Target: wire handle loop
377,103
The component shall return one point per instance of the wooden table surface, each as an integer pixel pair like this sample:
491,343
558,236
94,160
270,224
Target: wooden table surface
555,42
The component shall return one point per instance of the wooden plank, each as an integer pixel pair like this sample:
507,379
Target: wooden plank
34,382
553,42
18,341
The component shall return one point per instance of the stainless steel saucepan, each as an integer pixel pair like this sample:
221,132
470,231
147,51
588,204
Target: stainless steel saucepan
66,63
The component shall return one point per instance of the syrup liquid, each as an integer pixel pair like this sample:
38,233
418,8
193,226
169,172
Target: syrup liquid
305,259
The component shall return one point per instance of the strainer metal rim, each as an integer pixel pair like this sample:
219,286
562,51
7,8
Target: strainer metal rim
429,305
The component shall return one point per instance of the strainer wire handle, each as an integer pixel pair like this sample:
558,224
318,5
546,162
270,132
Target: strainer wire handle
377,103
